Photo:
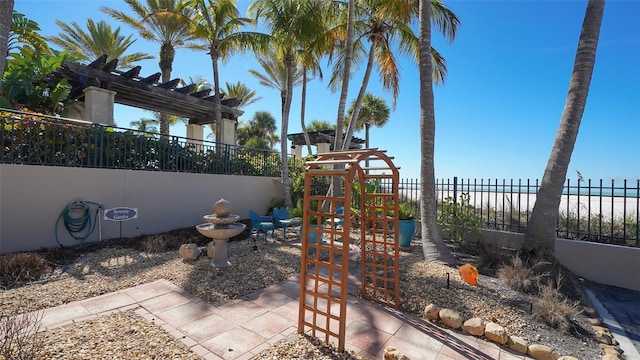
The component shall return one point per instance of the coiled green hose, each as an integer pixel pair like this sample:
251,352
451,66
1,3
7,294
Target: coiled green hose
80,226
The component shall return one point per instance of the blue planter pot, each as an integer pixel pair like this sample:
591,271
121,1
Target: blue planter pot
406,229
312,239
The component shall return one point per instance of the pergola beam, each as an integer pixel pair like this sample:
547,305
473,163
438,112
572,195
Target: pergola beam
145,93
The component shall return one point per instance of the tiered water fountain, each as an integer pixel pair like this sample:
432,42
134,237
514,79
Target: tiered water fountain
220,226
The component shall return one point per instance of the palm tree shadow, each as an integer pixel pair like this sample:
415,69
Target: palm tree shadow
451,341
455,343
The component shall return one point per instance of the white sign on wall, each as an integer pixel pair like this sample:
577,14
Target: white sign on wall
121,214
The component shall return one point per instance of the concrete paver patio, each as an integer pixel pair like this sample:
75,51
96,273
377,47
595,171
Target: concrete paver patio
244,327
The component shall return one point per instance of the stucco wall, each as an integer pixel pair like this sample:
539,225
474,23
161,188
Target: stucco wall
600,263
32,198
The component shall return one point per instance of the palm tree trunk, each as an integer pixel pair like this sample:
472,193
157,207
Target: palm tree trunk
302,110
433,246
367,125
540,235
363,89
335,189
337,145
289,64
6,14
217,101
167,53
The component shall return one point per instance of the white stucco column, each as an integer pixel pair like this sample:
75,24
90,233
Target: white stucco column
228,132
195,135
297,152
98,105
74,111
323,147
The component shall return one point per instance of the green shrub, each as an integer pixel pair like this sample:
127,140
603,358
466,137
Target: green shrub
458,218
405,211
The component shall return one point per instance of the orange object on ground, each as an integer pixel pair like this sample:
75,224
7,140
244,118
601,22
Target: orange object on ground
469,274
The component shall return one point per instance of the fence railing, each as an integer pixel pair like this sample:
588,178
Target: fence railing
43,140
599,211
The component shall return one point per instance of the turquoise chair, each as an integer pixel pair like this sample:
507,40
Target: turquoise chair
282,219
337,221
261,223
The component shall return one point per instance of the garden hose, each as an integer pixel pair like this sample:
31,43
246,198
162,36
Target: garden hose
76,217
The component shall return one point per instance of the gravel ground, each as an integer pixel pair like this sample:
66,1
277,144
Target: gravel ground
112,266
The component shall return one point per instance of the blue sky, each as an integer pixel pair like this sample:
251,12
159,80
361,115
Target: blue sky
498,112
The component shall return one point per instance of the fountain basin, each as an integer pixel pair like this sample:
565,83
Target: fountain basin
221,220
220,235
218,232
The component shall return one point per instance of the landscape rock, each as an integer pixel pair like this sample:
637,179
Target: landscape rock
451,318
391,353
604,337
610,357
595,321
600,328
189,251
474,326
431,312
516,343
567,358
611,350
496,333
612,347
542,352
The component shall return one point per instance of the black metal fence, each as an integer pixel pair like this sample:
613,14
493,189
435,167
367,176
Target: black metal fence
600,211
43,140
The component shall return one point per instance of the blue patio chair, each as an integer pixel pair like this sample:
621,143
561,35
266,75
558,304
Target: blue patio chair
261,223
282,219
337,221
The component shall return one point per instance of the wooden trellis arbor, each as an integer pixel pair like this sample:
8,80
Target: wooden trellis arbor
368,199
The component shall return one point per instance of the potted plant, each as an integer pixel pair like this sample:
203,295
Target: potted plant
311,234
406,225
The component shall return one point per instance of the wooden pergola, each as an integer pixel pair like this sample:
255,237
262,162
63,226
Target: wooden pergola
322,136
145,92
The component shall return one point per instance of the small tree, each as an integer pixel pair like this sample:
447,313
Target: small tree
458,218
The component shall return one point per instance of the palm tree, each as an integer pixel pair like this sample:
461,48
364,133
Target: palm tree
384,24
433,246
145,125
165,22
99,40
319,125
265,124
25,33
540,234
243,92
291,24
218,24
259,130
6,11
275,75
309,54
155,120
374,111
346,76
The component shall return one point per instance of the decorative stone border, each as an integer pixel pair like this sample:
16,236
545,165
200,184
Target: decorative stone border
496,333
